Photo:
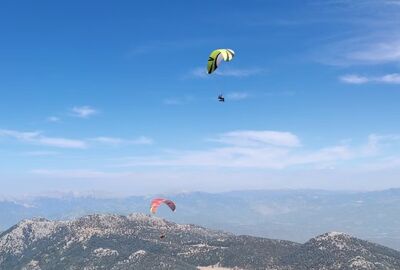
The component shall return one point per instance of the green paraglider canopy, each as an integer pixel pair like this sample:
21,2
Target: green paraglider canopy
216,58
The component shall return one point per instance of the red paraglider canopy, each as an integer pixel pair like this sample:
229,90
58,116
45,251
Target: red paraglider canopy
155,203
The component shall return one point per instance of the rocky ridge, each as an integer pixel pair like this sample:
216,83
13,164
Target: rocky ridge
133,242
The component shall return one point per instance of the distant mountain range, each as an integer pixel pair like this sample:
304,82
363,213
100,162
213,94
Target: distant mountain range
295,215
133,242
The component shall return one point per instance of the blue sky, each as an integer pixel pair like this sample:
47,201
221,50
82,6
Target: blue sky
113,97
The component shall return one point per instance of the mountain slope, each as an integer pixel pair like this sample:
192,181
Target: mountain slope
340,251
126,242
133,242
282,214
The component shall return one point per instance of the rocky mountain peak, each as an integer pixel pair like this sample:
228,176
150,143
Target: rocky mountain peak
333,240
24,233
133,242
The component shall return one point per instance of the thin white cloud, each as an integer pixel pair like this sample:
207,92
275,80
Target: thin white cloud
108,140
39,139
53,119
390,78
377,142
321,156
199,73
39,153
381,48
277,158
178,100
246,157
83,111
230,72
378,52
119,141
235,157
23,136
138,182
170,180
259,138
227,72
142,140
386,163
354,79
268,150
74,173
393,78
263,165
60,142
250,149
237,95
370,37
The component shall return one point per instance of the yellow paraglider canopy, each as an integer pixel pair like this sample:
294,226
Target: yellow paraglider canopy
217,56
